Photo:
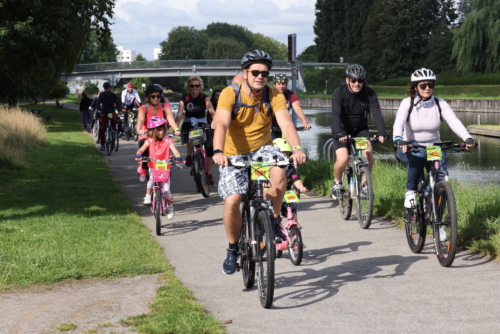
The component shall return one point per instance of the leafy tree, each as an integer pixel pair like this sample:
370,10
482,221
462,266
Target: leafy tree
41,39
463,8
477,41
308,55
99,49
233,31
224,48
274,48
140,57
184,43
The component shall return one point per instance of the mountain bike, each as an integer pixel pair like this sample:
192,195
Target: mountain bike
131,131
357,182
109,139
120,119
199,167
256,243
435,206
293,243
161,174
97,125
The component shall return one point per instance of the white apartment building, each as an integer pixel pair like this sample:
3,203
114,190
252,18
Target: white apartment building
125,55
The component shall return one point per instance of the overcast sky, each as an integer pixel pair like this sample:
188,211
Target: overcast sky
142,24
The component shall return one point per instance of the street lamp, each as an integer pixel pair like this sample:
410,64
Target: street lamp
326,86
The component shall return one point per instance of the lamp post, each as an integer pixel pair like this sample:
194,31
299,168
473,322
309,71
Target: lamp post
326,86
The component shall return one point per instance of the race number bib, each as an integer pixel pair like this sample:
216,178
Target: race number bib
194,133
361,143
434,153
291,197
161,165
110,115
260,171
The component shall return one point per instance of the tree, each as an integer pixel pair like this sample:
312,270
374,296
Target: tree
224,48
276,49
183,43
233,31
40,40
477,41
140,57
99,49
308,55
463,8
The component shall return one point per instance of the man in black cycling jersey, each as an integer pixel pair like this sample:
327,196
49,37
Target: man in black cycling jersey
352,103
107,103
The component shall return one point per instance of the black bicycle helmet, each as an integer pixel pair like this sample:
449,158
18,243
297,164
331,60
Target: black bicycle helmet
153,88
280,77
355,71
256,56
106,85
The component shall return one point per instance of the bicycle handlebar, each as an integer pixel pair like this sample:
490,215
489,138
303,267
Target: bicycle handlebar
245,163
172,161
461,147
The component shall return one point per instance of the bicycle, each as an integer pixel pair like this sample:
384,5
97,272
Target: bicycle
130,131
120,119
435,207
109,138
161,174
358,183
199,167
97,126
256,242
293,243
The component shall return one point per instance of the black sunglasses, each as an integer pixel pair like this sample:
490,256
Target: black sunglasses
155,96
194,86
256,73
425,85
361,81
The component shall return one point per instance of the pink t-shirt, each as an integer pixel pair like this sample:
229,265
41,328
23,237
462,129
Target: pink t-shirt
159,150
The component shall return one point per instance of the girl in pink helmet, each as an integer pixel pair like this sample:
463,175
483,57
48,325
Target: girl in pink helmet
159,146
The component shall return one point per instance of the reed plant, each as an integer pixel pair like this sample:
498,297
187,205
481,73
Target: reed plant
20,132
478,205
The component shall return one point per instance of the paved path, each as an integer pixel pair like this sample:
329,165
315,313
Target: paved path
351,280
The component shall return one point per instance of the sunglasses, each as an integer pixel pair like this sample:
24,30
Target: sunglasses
256,73
360,81
425,85
155,96
194,86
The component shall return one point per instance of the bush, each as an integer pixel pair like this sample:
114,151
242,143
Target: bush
315,79
451,79
469,91
59,90
90,87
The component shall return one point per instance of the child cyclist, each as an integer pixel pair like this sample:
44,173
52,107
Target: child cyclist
159,146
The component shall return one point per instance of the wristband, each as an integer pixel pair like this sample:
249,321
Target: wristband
297,148
218,151
138,156
177,129
397,138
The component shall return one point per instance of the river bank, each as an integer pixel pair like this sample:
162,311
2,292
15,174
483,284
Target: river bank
489,106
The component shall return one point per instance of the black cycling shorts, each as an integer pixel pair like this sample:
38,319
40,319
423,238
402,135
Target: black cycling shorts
357,133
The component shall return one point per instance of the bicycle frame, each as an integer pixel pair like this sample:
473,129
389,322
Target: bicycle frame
290,222
356,161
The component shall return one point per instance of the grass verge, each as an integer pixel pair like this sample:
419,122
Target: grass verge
478,205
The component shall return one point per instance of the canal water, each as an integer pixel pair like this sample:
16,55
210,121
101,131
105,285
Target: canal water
481,166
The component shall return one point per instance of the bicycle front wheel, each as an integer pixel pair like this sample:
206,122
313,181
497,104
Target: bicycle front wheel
345,200
96,128
445,223
295,247
157,212
247,264
265,258
109,141
364,198
117,141
415,228
135,135
200,174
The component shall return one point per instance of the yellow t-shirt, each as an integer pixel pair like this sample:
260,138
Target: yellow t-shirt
250,130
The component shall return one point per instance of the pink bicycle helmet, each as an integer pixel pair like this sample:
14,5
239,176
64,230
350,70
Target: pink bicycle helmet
130,85
155,122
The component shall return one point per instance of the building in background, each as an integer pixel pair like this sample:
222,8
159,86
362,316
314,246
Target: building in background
125,55
156,53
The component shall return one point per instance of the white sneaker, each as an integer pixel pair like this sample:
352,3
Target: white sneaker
147,199
170,212
410,199
442,234
337,189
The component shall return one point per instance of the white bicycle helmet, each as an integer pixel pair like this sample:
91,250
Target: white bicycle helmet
422,74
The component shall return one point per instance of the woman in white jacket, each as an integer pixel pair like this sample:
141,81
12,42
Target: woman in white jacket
418,121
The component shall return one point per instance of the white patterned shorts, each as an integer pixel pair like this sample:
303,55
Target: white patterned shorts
235,180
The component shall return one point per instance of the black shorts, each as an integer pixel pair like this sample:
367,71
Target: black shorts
356,133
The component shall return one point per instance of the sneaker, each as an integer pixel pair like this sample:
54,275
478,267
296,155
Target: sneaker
442,234
230,263
210,180
97,141
410,199
103,148
364,190
188,161
337,189
170,212
279,236
147,199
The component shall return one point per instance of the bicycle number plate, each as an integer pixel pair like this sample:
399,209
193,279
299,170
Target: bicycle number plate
434,153
291,197
194,134
260,171
110,115
161,165
361,143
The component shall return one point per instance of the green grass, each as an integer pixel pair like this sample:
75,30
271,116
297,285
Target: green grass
70,99
478,205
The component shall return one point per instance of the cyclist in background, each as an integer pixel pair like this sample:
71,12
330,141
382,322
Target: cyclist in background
352,104
107,103
418,121
245,133
292,101
193,106
151,108
130,99
214,100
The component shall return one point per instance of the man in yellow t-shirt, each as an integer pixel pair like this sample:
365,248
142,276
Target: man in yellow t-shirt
248,133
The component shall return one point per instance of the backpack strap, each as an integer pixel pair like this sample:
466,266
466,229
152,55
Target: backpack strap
238,104
411,108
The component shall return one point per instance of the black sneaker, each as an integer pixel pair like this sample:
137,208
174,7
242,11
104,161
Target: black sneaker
230,263
279,236
189,161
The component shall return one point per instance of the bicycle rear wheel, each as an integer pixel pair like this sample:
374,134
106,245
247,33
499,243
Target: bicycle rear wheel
117,141
415,228
364,198
445,221
96,128
295,247
345,200
247,264
265,258
109,141
157,207
200,174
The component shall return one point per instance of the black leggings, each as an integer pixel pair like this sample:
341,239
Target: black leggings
145,153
